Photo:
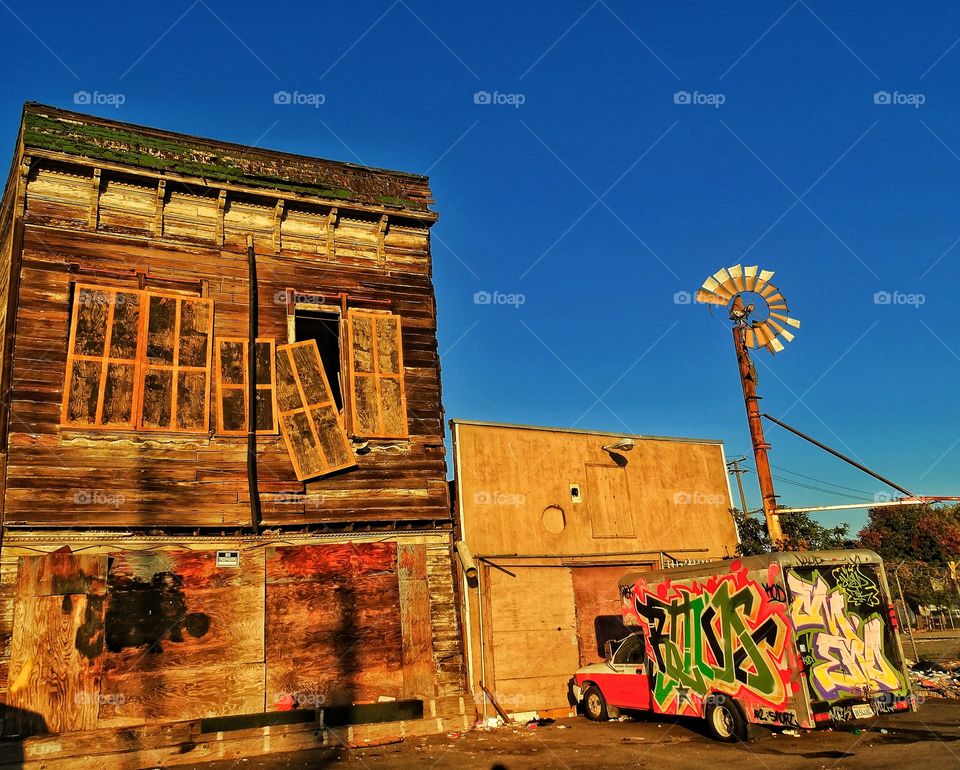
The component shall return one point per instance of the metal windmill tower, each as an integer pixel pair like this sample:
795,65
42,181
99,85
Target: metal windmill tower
760,319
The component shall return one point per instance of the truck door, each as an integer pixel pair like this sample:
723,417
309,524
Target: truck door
629,687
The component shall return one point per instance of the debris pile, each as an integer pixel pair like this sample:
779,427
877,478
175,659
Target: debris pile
936,680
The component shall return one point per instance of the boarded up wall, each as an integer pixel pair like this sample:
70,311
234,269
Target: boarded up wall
334,632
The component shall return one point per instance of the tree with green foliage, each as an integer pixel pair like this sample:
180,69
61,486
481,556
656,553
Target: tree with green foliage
928,533
917,542
800,531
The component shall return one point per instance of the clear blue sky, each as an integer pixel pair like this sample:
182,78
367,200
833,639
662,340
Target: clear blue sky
798,169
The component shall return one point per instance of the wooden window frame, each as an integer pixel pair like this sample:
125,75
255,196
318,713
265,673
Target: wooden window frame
307,408
378,377
271,386
175,368
105,360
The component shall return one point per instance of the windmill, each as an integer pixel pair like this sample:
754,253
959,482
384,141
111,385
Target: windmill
761,319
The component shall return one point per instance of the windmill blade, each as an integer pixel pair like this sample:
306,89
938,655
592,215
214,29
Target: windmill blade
750,274
786,319
736,273
721,276
775,346
765,276
765,335
750,338
788,336
710,284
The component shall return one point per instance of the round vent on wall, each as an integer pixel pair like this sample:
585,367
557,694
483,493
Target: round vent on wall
553,519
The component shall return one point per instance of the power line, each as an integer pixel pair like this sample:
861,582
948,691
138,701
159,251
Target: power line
820,489
822,481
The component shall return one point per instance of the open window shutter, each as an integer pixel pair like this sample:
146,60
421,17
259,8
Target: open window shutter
378,401
175,363
308,416
101,381
232,392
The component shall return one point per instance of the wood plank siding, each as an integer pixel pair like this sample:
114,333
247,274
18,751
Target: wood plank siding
134,588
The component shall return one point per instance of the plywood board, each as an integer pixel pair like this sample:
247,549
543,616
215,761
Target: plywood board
178,694
533,635
60,573
55,663
333,618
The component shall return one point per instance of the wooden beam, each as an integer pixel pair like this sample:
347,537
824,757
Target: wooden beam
221,204
277,222
94,200
332,217
381,234
158,213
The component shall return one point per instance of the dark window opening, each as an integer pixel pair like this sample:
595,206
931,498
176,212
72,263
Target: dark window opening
324,328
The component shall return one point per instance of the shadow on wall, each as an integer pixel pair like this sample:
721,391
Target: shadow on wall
31,723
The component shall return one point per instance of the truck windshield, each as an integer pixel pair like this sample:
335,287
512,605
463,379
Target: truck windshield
630,651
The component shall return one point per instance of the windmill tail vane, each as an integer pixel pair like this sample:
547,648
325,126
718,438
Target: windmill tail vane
746,291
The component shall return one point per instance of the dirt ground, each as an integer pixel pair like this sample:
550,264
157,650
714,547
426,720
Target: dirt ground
929,737
933,645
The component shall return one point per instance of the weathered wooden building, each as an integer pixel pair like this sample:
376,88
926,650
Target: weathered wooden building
142,583
552,519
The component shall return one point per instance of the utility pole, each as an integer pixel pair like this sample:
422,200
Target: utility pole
748,379
736,470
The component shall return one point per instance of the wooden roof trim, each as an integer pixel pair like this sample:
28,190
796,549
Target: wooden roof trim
455,423
427,217
101,139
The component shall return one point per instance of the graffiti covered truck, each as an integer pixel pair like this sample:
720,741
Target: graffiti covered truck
797,640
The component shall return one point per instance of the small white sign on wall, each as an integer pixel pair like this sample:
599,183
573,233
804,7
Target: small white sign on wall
228,558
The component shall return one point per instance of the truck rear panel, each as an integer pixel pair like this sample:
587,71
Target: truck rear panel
797,639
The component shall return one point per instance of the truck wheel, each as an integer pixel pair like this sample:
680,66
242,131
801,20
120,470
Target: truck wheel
594,704
725,720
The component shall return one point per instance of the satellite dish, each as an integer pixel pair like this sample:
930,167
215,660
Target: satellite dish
745,292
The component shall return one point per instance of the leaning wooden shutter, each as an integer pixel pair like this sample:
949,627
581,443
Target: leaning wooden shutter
175,365
378,401
232,391
308,416
101,381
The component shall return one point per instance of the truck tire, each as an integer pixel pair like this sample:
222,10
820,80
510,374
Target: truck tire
594,704
725,720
